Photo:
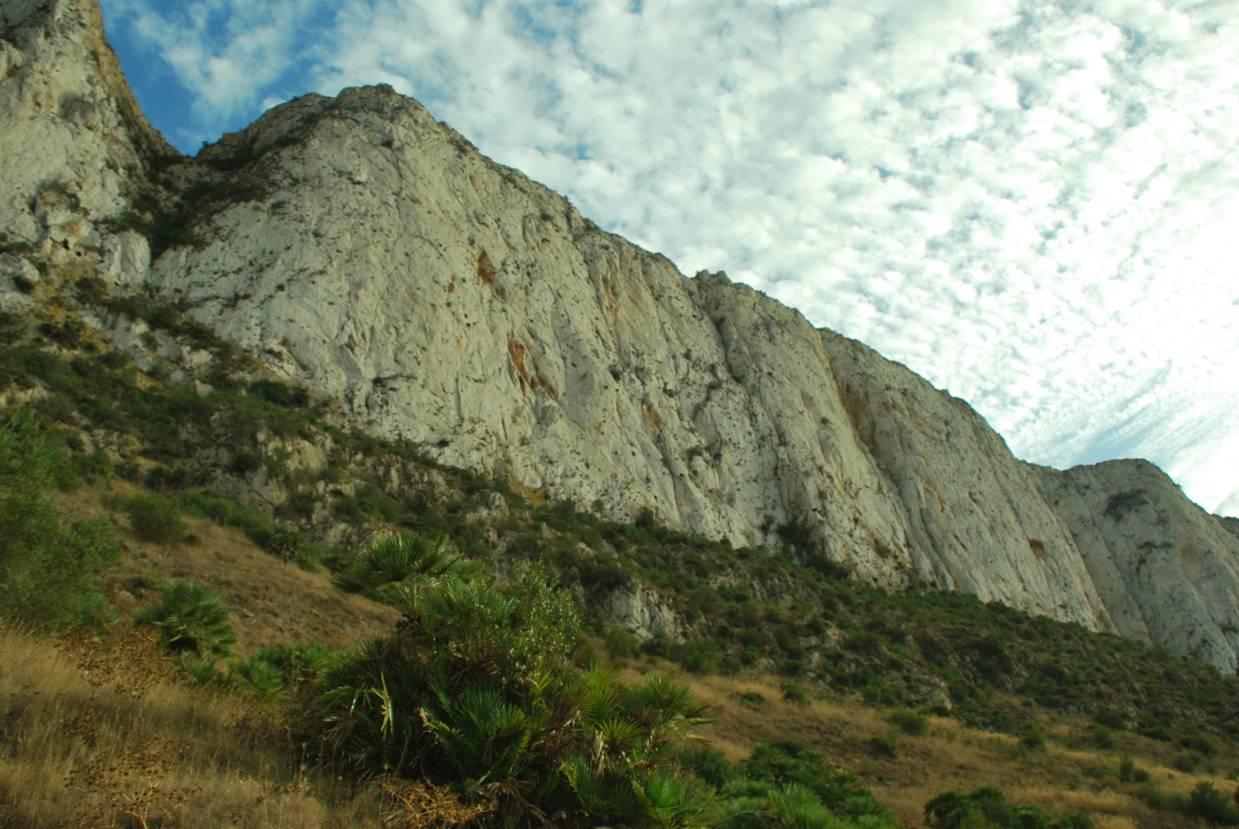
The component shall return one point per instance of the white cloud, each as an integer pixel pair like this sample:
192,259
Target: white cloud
1031,203
228,54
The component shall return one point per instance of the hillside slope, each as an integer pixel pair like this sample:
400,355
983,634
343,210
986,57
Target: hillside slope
362,248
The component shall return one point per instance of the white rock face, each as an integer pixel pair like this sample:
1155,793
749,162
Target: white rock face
974,514
74,144
364,249
380,259
643,613
1167,571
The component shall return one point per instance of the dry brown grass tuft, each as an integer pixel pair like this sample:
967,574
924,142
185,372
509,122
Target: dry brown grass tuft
423,805
94,737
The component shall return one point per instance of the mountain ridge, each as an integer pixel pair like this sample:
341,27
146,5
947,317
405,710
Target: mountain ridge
359,246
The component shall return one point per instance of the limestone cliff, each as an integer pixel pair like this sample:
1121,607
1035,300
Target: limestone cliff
76,148
1167,571
368,251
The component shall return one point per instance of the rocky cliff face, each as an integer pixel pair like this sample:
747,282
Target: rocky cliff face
1167,571
76,148
363,248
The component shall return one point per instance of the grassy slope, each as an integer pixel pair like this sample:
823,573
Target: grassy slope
101,728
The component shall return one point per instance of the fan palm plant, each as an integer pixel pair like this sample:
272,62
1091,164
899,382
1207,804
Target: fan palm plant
393,567
190,618
477,689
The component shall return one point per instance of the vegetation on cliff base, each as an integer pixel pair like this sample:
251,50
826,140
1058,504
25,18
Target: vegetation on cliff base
737,609
945,653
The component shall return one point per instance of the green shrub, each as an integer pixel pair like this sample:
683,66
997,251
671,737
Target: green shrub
620,643
1032,737
90,290
863,642
190,618
1157,800
477,688
392,568
93,466
707,763
280,394
155,518
752,699
1155,731
700,656
48,566
988,807
911,723
1198,743
1207,803
1186,763
791,805
259,674
1110,718
882,747
12,328
773,767
1102,737
794,693
201,670
278,667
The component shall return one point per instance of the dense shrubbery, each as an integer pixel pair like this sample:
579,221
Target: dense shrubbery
48,566
478,689
1208,803
787,785
277,668
987,807
1204,802
911,723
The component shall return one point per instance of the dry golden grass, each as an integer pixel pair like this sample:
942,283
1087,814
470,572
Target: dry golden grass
271,601
100,730
88,746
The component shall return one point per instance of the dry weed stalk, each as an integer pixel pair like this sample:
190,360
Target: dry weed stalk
423,805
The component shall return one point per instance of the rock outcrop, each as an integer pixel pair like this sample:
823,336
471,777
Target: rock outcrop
1167,571
361,247
76,148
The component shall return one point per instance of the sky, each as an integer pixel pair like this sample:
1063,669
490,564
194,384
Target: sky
1032,204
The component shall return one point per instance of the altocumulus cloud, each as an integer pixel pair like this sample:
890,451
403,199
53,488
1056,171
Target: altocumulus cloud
1032,204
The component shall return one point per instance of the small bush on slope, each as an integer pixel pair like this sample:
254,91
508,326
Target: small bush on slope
988,807
785,784
190,619
155,518
277,668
